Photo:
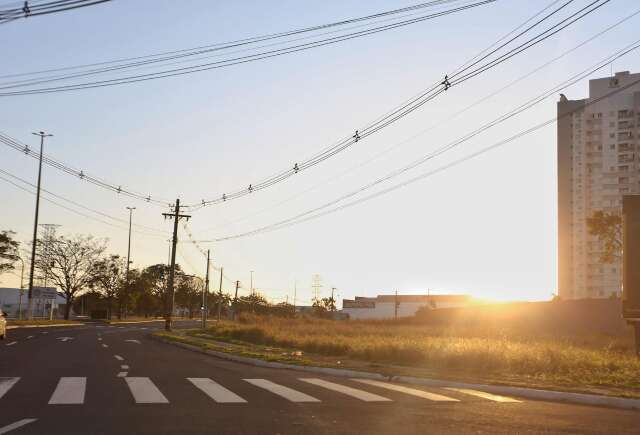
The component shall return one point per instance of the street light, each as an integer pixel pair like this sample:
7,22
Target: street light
42,135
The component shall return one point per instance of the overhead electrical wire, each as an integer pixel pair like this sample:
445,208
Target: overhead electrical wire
218,64
29,9
442,122
388,119
313,213
410,106
80,174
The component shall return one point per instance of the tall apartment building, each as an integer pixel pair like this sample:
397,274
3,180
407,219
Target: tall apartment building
598,150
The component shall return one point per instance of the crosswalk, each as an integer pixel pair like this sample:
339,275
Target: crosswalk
143,390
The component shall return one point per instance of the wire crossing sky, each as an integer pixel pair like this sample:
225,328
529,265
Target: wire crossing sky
198,137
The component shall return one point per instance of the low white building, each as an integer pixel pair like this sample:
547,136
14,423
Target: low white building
46,302
384,306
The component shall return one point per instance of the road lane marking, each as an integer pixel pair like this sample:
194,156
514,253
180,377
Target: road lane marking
43,332
6,384
144,391
133,341
353,392
118,357
99,338
105,345
29,337
12,343
16,425
282,391
122,374
70,391
484,395
216,391
124,367
64,339
407,390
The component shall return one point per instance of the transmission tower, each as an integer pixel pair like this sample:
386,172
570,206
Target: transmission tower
316,286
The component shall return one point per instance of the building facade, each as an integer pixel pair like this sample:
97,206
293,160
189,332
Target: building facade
47,303
597,150
387,306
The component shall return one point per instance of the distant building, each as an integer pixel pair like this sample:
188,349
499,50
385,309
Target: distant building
12,300
384,306
598,162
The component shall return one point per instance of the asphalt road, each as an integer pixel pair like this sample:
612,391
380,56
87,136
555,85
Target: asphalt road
97,379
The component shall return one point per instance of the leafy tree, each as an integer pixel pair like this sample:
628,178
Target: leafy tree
607,227
70,263
189,293
109,280
8,251
324,307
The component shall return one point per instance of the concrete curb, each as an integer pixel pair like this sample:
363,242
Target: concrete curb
57,325
529,393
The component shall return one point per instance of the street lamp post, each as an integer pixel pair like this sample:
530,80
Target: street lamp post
126,276
42,135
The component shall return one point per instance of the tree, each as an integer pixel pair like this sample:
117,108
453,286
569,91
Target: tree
189,293
109,280
8,251
607,227
70,264
324,307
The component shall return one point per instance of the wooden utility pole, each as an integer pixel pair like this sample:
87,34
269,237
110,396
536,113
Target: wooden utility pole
220,294
205,293
176,216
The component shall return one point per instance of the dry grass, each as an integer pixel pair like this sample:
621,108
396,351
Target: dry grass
40,322
586,361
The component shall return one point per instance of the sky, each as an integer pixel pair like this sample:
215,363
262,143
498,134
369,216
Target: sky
485,227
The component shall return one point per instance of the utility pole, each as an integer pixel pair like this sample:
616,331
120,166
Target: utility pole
42,135
252,283
126,276
21,289
333,301
205,293
220,294
295,293
396,305
176,216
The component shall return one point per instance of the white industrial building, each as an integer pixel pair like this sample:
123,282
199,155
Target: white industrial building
598,163
47,303
385,306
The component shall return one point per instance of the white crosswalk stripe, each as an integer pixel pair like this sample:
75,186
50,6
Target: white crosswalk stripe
70,391
484,395
6,384
407,390
16,425
282,391
353,392
145,391
216,391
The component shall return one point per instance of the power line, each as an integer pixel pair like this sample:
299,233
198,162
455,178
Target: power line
211,65
33,9
157,230
317,212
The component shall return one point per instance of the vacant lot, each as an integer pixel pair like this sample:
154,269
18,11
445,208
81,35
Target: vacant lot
498,351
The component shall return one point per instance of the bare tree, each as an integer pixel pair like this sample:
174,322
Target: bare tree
110,279
71,264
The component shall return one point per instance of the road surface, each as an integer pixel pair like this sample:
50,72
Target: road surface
99,379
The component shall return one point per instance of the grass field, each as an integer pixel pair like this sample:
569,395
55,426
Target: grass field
492,352
39,322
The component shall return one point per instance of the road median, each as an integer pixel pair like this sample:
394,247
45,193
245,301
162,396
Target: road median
281,358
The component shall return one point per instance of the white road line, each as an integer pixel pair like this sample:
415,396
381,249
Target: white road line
282,391
133,341
105,345
122,374
358,394
124,367
406,390
16,425
484,395
70,391
144,391
6,384
11,344
29,337
99,338
216,391
118,357
43,332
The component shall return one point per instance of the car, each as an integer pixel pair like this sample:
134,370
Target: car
3,325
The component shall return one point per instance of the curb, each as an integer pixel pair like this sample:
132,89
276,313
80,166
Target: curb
57,325
529,393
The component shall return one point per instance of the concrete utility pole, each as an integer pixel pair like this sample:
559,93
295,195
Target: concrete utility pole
220,294
126,276
176,216
21,289
205,293
295,294
252,283
42,135
396,306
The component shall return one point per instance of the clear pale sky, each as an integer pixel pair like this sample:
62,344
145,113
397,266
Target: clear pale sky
486,227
